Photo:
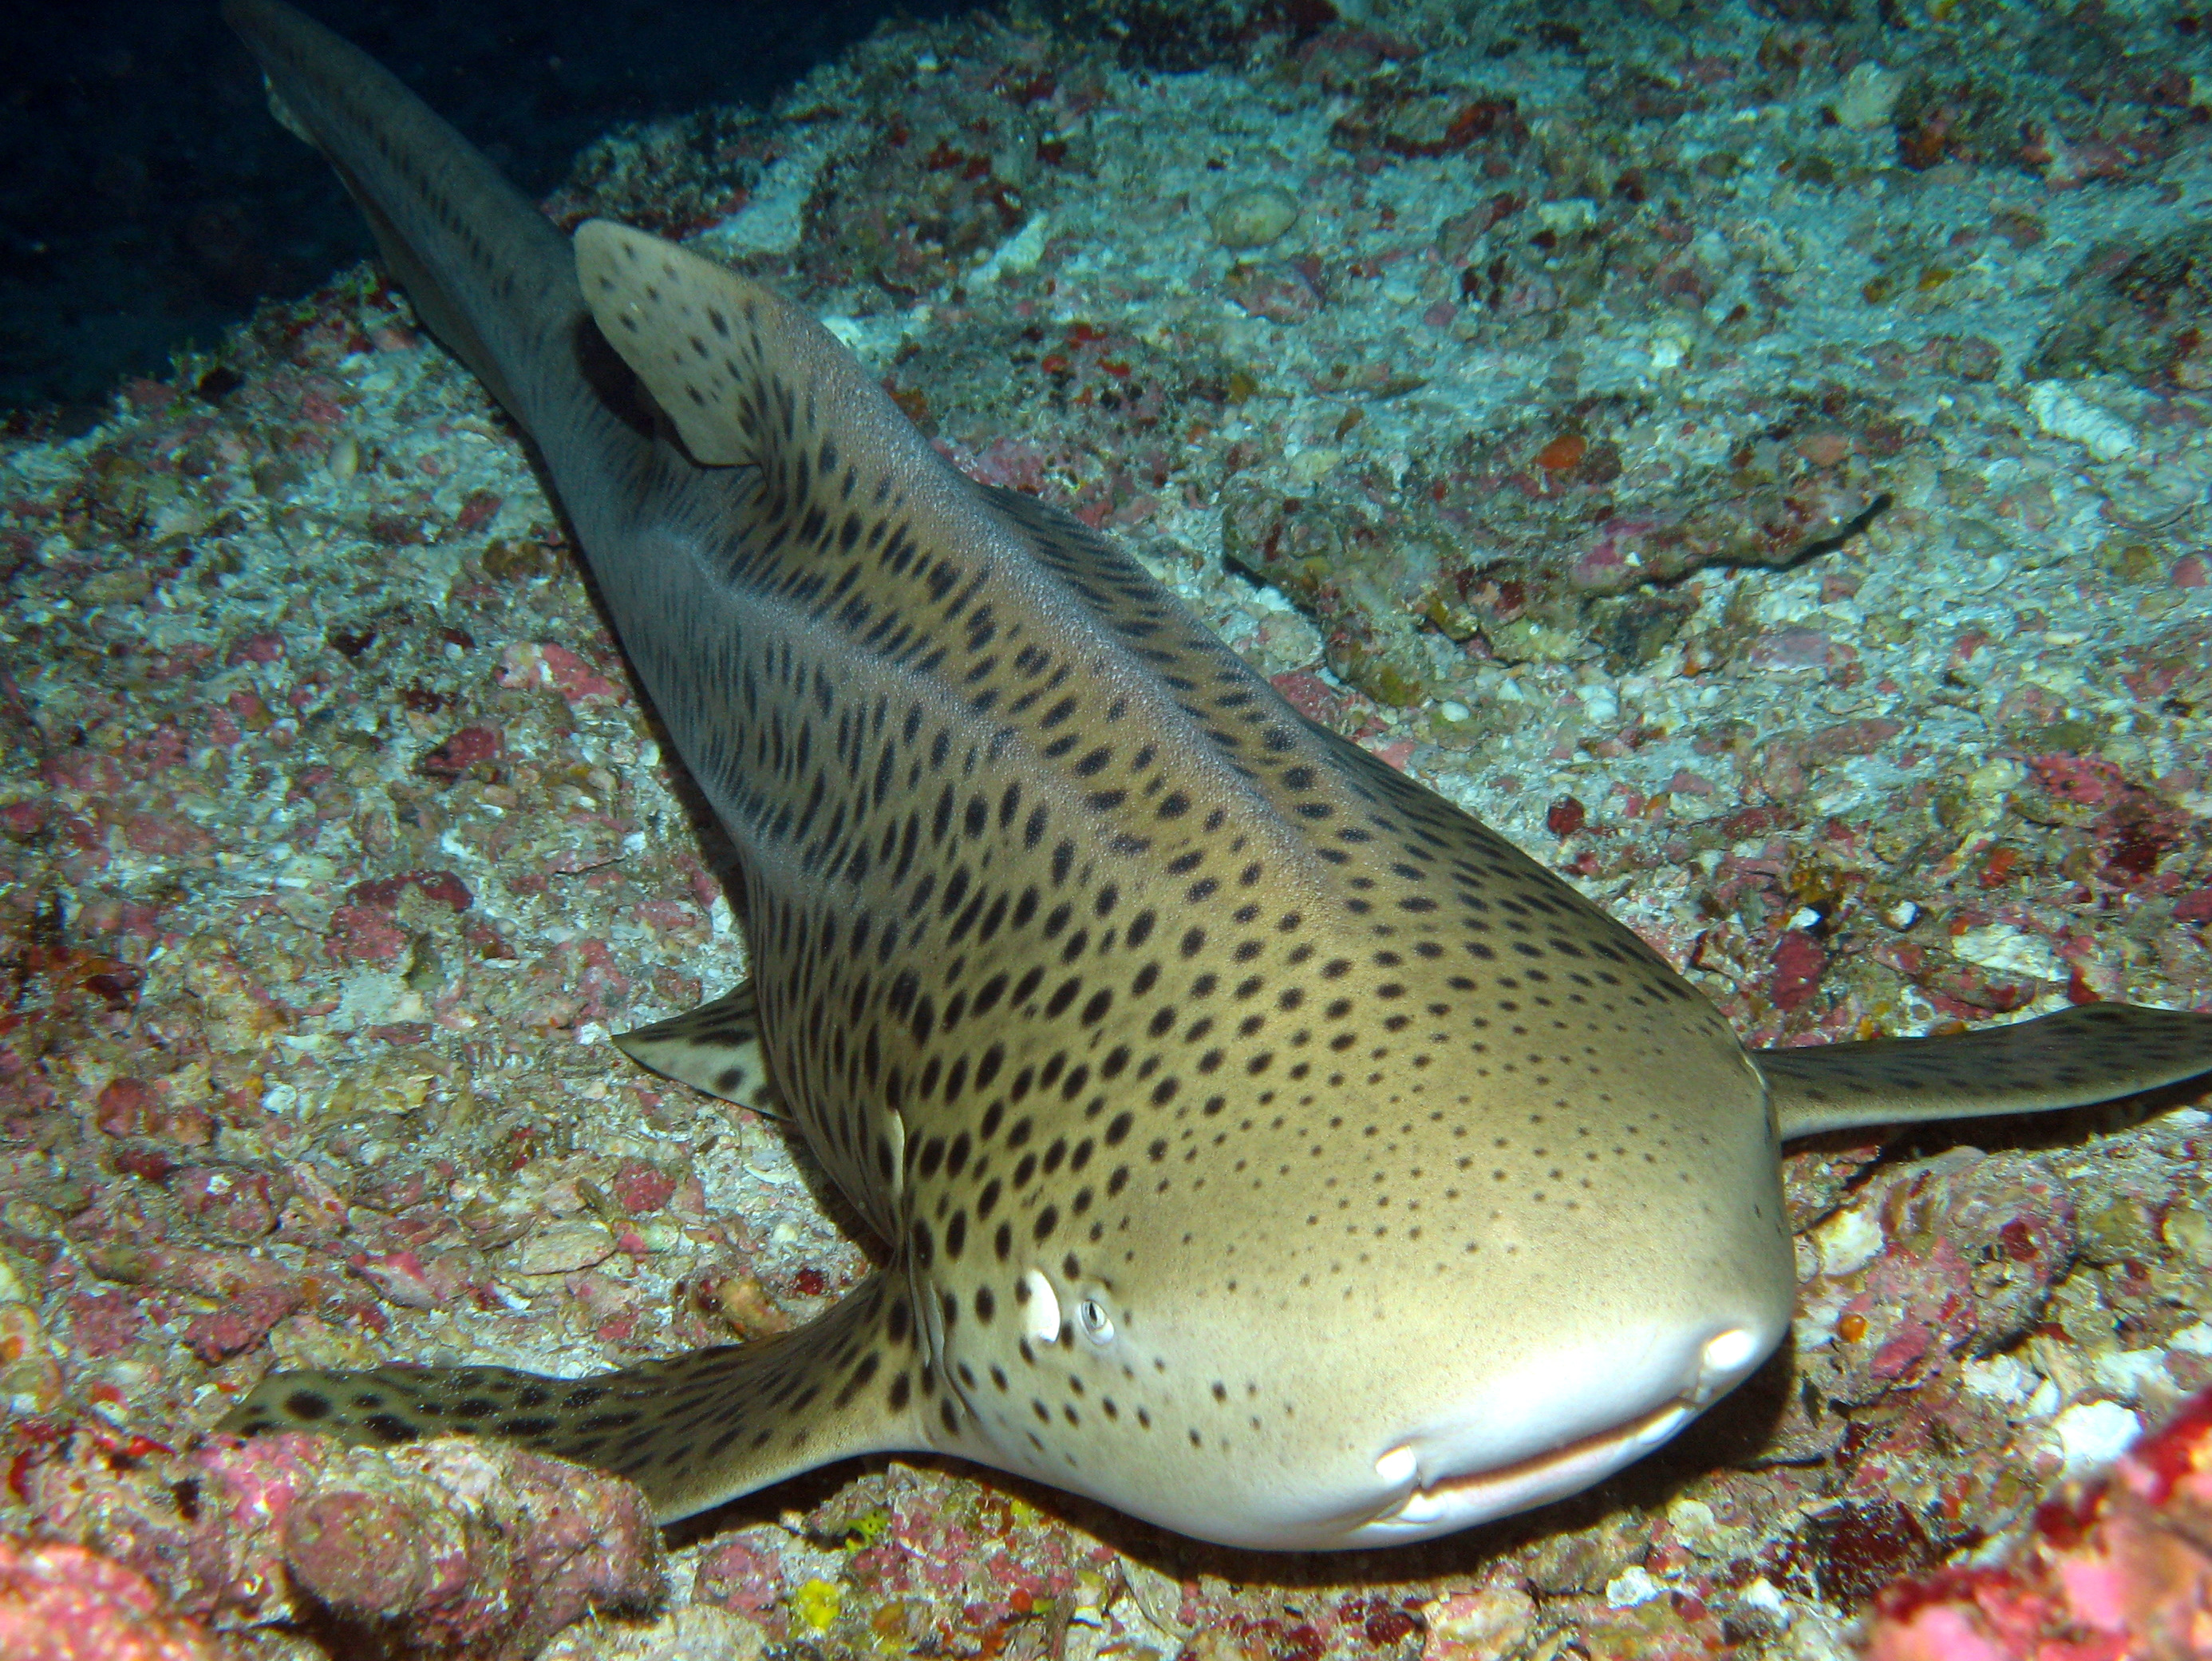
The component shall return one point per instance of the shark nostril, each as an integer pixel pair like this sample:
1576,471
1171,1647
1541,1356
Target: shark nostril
1398,1465
1729,1350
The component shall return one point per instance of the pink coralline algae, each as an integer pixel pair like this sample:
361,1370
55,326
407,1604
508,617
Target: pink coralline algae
740,1575
240,1325
445,1549
471,747
1798,965
383,893
562,670
65,1603
638,1187
2122,1572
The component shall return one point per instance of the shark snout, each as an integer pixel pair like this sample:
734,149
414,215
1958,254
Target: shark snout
1557,1426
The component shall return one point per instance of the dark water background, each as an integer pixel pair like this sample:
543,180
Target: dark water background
147,199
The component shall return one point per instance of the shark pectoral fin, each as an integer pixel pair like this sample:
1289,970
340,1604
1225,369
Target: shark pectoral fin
715,1048
692,1431
2090,1053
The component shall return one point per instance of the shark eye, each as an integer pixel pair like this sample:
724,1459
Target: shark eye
1097,1325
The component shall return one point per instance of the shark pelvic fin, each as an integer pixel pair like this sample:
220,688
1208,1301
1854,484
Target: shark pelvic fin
715,1048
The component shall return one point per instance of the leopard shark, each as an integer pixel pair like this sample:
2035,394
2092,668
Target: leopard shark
1259,1143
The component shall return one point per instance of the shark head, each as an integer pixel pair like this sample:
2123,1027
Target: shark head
1441,1300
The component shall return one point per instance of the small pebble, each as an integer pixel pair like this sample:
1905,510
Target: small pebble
1255,216
1631,1587
2094,1434
1867,97
561,1248
1474,1625
2188,1232
1850,1240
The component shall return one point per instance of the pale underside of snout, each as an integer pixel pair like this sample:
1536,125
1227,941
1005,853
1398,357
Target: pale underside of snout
1514,1444
1446,1479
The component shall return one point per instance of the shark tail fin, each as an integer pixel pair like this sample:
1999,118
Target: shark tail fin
439,313
2090,1053
448,226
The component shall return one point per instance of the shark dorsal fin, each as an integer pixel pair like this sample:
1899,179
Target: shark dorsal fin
748,378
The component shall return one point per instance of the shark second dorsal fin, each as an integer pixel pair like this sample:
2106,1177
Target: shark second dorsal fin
2092,1054
715,1048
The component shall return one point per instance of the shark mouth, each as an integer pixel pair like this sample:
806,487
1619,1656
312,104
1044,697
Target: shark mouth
1451,1502
1458,1502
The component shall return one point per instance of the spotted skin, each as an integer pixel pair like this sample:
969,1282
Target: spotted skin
1263,1145
1083,956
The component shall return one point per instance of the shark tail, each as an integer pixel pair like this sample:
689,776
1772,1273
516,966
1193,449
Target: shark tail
486,273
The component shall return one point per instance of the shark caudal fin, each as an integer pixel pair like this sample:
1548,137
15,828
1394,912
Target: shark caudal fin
2092,1054
487,273
692,1431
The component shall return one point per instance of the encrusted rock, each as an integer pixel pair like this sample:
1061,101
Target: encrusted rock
62,1603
